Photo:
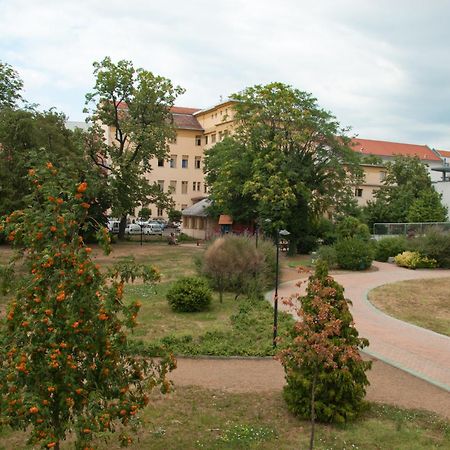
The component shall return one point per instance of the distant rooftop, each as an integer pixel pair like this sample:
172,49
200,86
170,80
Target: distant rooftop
385,148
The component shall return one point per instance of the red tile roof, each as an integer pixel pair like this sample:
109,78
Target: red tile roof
183,110
444,153
186,122
384,148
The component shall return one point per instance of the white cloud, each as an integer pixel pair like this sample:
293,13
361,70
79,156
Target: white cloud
381,67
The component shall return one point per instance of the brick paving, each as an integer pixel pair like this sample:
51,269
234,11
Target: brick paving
416,350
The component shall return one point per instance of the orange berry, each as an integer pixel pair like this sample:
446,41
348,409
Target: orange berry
123,412
82,187
51,444
59,200
85,205
34,410
49,165
53,228
61,296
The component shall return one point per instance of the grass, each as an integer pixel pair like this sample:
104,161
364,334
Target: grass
235,327
197,418
423,303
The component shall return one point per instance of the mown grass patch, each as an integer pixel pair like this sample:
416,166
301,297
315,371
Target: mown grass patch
198,418
422,302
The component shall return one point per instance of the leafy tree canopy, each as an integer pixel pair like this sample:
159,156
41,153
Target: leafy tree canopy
135,104
289,160
407,195
10,86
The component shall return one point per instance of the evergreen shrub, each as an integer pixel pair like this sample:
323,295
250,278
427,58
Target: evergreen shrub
389,247
189,294
327,253
354,253
435,245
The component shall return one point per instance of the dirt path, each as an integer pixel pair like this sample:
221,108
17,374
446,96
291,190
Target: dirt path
387,384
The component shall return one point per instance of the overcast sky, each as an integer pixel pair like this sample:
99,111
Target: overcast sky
381,67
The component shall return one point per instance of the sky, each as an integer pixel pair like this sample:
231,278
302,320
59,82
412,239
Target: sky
381,67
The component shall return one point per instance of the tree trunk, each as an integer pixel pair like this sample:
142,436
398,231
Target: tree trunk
313,411
122,225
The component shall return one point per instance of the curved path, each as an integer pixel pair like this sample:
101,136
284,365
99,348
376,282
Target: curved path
421,352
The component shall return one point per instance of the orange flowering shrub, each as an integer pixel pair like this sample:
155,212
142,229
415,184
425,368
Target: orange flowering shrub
64,359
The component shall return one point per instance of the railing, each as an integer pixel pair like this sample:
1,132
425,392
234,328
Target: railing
392,229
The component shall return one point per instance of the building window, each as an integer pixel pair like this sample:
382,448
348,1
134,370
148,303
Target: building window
198,162
382,176
161,185
358,192
198,140
173,186
173,161
201,223
160,162
198,186
206,140
160,212
184,187
213,138
184,162
220,136
205,189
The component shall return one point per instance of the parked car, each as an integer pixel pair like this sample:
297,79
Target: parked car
113,226
134,228
153,228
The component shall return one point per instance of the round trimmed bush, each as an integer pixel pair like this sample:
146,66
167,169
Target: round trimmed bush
390,246
354,254
189,294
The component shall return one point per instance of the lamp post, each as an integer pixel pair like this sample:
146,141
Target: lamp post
275,300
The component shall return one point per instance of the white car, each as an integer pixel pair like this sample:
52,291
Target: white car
134,228
153,228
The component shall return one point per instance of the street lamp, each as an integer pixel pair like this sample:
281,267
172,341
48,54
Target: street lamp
283,233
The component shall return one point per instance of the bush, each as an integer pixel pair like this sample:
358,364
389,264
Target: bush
389,247
435,245
354,254
327,253
350,227
414,260
234,264
189,294
325,373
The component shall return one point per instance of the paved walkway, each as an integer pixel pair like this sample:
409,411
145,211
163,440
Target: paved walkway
416,350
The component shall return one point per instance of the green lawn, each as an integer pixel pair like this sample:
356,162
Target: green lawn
192,417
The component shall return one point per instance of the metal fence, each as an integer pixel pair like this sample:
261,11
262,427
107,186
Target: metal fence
395,229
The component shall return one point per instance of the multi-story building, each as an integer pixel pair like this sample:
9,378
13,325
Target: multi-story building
198,130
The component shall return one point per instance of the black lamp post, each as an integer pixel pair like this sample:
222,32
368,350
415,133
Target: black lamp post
275,300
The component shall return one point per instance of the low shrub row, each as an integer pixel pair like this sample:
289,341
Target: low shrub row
434,246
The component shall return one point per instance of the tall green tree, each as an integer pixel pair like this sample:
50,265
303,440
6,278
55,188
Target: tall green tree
26,133
10,86
288,161
407,195
135,104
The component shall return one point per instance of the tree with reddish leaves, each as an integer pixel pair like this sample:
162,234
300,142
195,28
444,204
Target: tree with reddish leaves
65,366
325,373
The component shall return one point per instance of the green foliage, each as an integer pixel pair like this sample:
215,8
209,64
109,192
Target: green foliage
414,260
325,374
63,360
350,227
288,161
135,104
145,213
390,247
354,254
250,335
406,196
327,253
435,245
175,215
233,263
10,86
189,294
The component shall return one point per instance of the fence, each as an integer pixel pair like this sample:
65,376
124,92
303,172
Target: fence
389,229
